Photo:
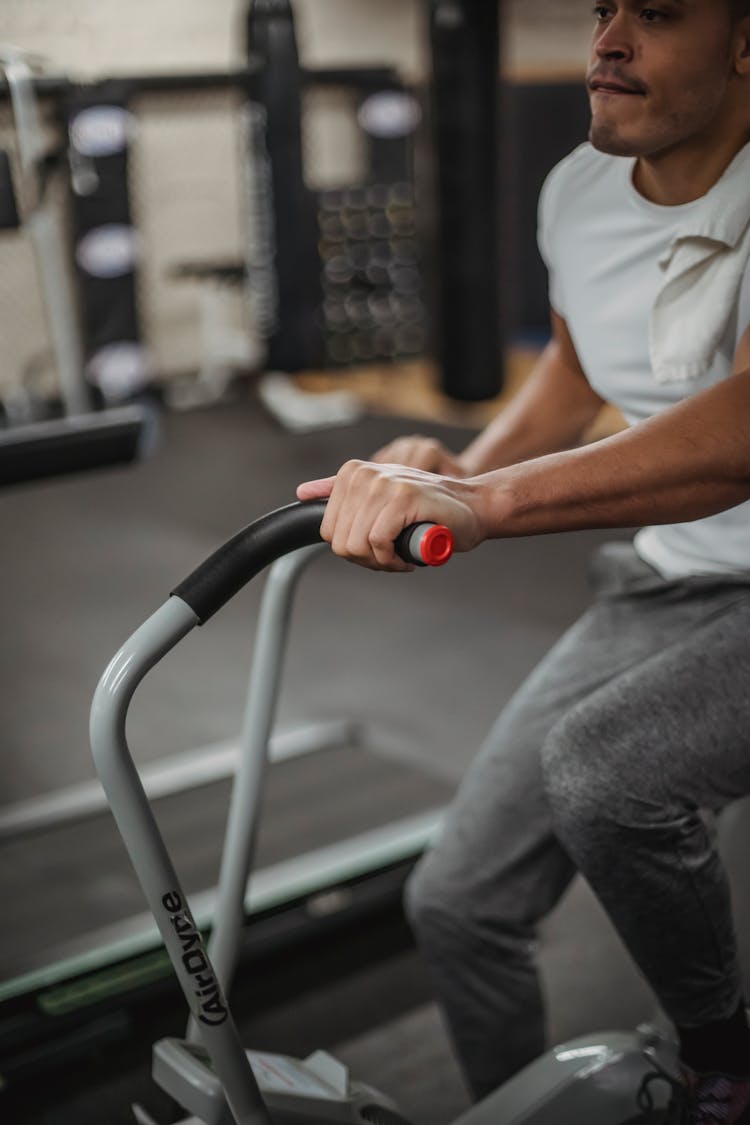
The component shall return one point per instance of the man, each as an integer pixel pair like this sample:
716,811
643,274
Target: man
638,718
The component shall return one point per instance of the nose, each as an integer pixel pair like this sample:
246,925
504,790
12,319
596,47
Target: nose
612,42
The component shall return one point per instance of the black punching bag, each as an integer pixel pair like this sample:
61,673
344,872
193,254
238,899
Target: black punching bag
296,338
465,41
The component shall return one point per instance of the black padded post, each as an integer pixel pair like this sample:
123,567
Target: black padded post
296,339
8,210
465,40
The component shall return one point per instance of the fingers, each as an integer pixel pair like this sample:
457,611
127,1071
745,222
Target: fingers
371,504
373,536
417,452
363,517
315,489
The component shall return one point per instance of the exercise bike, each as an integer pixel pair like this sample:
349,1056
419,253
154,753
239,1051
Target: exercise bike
604,1080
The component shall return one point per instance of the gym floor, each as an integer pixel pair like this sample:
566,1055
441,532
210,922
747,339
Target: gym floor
423,662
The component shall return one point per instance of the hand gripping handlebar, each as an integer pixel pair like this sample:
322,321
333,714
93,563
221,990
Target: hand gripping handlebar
227,570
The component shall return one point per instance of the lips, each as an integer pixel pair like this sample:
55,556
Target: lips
601,87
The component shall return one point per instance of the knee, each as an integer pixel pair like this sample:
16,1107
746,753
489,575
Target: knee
436,909
586,779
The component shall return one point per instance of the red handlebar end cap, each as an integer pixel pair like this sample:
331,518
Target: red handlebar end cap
437,546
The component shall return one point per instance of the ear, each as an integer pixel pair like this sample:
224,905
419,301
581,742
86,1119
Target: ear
742,48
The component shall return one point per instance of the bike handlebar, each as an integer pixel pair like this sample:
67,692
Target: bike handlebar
223,574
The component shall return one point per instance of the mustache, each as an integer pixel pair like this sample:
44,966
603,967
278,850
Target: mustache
613,76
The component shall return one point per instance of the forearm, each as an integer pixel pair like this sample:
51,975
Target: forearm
691,461
549,413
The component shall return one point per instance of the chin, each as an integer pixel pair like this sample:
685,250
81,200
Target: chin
608,139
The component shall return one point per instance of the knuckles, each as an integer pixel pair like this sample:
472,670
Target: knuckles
389,489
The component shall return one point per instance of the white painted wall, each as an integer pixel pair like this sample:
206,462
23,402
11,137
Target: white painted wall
96,38
108,36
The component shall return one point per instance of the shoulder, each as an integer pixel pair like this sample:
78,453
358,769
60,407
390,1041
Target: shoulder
576,178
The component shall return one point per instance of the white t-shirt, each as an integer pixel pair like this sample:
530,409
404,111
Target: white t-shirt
601,242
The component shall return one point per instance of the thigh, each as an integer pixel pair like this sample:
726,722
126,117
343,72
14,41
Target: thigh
644,638
497,851
672,731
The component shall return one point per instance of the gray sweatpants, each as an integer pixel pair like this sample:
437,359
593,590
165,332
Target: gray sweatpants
635,721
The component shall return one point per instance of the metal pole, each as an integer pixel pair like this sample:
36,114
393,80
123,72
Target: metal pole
247,791
46,236
148,854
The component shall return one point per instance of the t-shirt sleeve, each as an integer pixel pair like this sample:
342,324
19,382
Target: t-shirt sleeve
546,242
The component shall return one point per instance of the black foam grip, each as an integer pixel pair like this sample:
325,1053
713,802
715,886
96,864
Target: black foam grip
227,570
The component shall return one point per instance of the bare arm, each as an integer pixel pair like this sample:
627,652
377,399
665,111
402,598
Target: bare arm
551,411
691,461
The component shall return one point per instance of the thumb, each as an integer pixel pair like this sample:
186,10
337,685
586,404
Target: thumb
315,489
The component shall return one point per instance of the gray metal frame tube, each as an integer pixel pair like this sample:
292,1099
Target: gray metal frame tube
148,854
46,236
247,792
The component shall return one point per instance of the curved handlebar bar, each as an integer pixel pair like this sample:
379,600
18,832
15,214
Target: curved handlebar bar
227,570
201,594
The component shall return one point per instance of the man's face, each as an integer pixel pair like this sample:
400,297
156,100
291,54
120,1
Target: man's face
659,74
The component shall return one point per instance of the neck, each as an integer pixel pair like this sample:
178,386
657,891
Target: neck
688,171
